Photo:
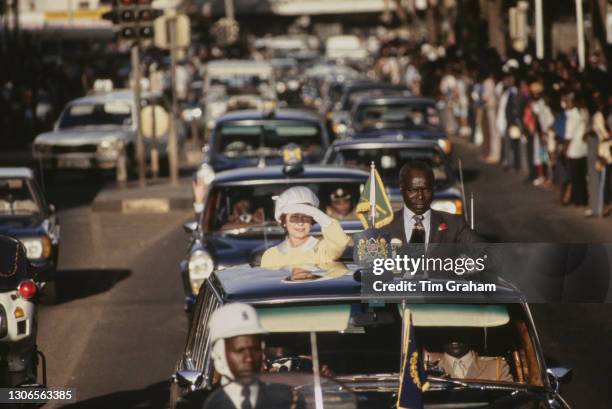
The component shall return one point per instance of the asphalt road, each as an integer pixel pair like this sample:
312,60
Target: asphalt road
119,327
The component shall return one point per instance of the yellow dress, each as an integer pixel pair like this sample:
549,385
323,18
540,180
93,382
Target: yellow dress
313,251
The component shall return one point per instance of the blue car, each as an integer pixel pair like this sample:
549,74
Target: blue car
26,216
403,116
237,224
390,153
256,138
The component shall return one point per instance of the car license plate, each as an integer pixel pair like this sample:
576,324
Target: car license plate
75,163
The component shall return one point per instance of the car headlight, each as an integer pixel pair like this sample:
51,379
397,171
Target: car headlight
110,147
293,85
454,206
201,265
446,145
37,247
339,128
281,87
191,114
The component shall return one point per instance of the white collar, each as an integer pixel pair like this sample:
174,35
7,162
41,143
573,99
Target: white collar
409,214
308,245
466,360
234,392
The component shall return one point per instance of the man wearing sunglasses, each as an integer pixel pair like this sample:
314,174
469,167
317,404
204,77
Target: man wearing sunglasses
296,209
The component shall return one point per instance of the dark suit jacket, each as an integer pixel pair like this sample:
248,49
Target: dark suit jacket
444,228
270,396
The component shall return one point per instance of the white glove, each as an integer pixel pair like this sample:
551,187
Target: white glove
320,217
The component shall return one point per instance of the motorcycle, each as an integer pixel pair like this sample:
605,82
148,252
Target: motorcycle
19,355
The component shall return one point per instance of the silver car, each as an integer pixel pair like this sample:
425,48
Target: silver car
92,132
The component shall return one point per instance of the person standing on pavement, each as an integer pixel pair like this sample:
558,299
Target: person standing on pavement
576,149
416,222
237,353
296,209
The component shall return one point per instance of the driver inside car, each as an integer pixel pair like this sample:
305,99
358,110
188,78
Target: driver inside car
243,214
460,361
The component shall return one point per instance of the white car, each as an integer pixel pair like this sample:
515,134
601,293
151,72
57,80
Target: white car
92,132
237,84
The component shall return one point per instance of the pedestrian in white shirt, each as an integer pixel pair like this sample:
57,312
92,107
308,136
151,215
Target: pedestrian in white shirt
576,149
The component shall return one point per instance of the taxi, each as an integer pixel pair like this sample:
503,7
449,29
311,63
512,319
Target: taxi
256,138
389,154
359,337
26,216
237,224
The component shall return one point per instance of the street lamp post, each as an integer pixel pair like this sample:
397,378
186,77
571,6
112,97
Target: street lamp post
539,26
580,32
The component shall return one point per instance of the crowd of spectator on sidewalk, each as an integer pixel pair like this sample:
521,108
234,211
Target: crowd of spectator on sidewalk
544,119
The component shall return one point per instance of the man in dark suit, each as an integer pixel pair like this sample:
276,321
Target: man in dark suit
236,337
416,222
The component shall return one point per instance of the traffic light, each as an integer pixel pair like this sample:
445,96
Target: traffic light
134,18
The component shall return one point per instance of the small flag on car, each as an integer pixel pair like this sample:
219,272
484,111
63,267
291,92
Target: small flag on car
413,378
374,208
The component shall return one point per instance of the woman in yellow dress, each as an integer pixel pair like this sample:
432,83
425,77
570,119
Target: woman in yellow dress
297,208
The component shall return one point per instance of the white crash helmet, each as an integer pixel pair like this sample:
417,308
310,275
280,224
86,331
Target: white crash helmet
233,320
230,321
293,196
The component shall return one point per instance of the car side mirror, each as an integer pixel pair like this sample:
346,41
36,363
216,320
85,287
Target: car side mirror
187,379
190,227
559,375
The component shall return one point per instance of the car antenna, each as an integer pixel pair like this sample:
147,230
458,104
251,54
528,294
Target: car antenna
472,210
462,186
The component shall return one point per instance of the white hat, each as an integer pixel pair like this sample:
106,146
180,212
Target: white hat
230,321
293,196
233,320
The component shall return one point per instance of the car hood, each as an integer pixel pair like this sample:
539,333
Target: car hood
21,226
81,135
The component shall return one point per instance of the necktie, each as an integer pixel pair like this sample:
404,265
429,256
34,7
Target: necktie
459,370
246,398
418,231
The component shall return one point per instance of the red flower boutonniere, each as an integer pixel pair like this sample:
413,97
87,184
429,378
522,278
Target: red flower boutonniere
443,227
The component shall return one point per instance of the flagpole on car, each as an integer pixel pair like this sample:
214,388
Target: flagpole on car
372,194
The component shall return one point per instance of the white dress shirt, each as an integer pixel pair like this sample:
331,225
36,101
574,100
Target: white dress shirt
575,128
234,391
459,366
409,223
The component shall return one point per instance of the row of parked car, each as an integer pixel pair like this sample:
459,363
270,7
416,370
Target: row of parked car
348,123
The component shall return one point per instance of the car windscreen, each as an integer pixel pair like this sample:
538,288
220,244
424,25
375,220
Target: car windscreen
252,207
390,160
399,115
17,198
115,113
497,353
353,96
248,138
245,84
367,340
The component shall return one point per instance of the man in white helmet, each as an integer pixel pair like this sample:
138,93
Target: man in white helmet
237,352
296,209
